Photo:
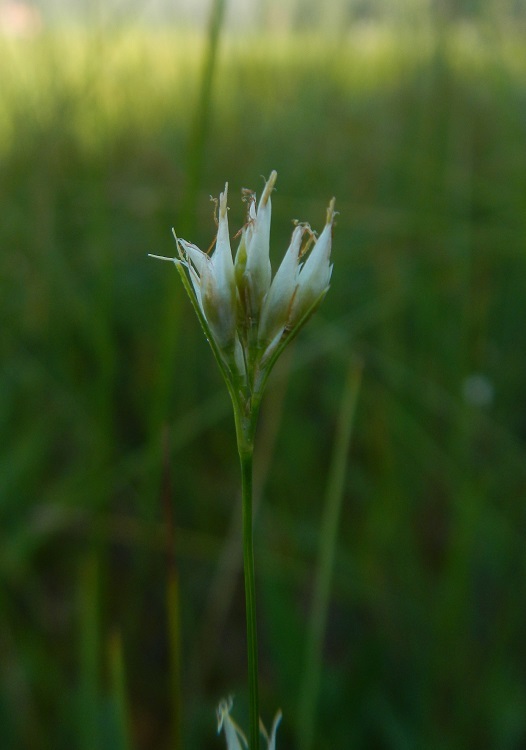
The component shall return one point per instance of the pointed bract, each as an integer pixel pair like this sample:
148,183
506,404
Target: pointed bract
213,280
272,738
222,257
193,254
233,734
235,738
277,304
271,741
315,273
258,271
217,283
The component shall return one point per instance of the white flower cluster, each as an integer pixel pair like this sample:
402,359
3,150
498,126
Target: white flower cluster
246,312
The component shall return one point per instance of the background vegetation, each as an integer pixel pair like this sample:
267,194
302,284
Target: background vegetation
118,477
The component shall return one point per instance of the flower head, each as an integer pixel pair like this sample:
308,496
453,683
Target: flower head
247,316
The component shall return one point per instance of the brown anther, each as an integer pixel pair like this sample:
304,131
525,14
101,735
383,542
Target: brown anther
269,187
311,238
215,201
211,246
331,213
248,197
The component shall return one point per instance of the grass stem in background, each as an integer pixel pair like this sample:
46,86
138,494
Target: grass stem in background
174,636
198,134
172,600
169,337
88,706
118,682
309,688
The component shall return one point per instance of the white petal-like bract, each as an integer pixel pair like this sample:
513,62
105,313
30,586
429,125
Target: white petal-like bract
258,271
233,734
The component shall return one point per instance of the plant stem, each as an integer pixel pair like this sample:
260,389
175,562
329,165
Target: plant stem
245,427
309,689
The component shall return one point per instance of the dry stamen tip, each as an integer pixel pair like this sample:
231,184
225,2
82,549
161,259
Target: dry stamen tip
211,246
247,195
223,208
331,213
269,187
215,201
311,239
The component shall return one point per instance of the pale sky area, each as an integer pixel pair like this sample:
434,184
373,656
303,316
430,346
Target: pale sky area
250,15
240,13
247,14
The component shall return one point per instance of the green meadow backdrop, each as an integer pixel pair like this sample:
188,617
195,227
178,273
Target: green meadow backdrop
121,598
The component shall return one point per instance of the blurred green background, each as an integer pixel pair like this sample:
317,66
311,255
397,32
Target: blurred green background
121,601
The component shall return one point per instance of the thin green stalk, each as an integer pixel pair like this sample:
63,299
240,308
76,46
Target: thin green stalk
174,637
118,680
245,428
89,615
200,126
328,539
172,601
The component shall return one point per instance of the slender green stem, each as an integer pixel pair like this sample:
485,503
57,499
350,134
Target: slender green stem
309,688
245,427
118,680
200,126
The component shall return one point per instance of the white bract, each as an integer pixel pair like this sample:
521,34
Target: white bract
248,316
277,306
233,734
257,272
315,274
213,280
271,741
235,739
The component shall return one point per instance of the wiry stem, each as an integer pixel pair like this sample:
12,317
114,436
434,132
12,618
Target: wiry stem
245,428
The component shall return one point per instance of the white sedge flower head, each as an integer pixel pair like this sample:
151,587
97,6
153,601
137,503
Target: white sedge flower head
248,316
235,739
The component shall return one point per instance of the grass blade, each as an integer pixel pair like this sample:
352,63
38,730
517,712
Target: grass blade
328,538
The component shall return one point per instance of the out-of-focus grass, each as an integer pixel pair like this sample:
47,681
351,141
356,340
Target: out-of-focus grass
420,134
